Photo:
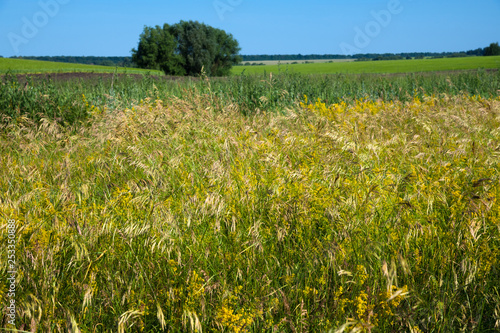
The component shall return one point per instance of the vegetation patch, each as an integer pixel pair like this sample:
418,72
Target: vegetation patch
23,66
72,98
260,204
386,66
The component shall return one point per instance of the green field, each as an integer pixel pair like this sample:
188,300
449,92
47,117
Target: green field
36,66
389,66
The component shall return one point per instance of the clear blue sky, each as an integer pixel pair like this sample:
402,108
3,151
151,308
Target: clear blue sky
112,27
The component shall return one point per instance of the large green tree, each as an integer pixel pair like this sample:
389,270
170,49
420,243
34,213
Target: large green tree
187,48
226,53
492,50
157,50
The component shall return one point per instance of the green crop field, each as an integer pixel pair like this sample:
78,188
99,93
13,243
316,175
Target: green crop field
36,66
389,66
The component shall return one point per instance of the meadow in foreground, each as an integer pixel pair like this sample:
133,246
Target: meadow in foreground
186,215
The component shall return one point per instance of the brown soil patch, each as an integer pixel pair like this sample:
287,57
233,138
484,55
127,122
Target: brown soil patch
87,76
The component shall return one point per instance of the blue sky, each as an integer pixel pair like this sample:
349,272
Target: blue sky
112,28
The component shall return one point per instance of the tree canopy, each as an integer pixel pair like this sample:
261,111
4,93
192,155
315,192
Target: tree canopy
186,48
493,49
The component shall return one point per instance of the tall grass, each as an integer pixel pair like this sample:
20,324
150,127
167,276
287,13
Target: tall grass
70,101
184,214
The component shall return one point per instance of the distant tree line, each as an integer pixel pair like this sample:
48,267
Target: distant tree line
490,50
187,48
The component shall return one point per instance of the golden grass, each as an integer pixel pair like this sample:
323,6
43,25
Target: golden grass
188,216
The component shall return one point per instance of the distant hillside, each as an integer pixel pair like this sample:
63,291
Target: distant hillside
24,66
127,61
97,61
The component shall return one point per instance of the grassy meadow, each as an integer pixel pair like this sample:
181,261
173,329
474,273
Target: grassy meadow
277,203
386,66
23,66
